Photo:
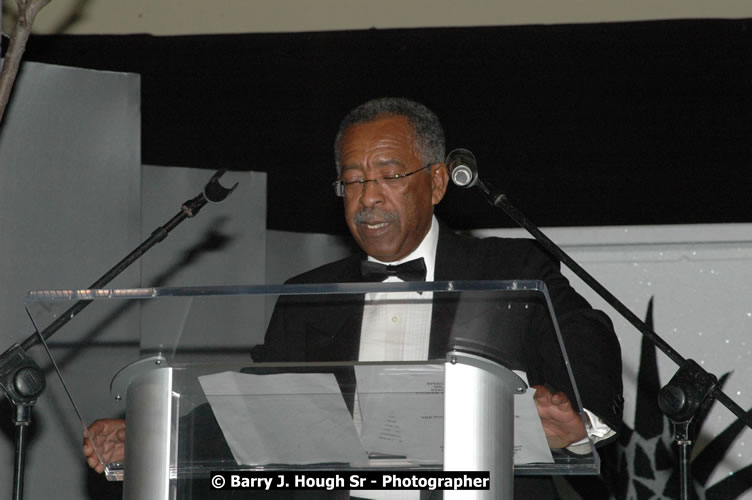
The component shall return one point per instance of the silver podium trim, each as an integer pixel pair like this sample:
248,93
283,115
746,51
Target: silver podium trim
479,422
147,441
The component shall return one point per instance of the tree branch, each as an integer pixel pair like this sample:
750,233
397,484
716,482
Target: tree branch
27,12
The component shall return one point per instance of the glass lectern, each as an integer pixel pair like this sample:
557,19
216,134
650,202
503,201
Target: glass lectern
445,387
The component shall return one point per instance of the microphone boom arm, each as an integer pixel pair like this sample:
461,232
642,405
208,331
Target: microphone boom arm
689,388
213,192
22,380
705,383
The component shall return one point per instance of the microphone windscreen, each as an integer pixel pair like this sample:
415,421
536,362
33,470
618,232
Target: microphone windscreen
462,167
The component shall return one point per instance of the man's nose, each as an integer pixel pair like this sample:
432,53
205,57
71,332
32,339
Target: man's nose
373,193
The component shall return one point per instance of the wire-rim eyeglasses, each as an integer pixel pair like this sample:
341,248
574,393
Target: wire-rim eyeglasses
341,186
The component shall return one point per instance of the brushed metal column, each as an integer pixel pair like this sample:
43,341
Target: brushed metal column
147,440
479,422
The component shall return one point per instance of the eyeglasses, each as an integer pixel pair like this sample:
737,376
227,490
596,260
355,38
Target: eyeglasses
396,181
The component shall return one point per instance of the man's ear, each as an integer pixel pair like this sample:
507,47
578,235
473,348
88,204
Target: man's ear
439,182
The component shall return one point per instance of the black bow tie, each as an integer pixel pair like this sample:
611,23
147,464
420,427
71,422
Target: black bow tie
412,270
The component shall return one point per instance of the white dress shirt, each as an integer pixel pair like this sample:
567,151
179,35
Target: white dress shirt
396,327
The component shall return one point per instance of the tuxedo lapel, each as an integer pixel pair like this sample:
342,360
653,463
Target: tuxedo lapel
334,333
457,257
448,264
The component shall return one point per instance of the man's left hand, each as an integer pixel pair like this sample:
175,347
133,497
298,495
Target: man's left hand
561,423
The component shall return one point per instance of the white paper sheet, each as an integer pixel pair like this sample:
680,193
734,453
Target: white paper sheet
290,418
402,409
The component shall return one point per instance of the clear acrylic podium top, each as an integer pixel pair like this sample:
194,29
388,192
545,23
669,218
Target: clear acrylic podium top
304,400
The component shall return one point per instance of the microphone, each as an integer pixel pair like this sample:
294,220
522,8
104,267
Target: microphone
462,168
215,192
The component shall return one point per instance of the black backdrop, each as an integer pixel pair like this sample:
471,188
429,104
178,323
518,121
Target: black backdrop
597,124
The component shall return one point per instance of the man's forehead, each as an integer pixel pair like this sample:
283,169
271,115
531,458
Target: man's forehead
376,163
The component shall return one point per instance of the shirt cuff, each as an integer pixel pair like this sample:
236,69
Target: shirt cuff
597,430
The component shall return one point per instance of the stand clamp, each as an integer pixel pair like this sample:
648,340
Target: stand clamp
680,400
683,396
23,382
20,377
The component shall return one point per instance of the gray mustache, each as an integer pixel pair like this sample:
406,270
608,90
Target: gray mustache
369,215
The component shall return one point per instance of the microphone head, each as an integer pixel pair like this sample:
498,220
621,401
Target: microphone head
462,168
214,192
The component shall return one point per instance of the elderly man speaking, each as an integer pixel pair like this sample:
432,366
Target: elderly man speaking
389,156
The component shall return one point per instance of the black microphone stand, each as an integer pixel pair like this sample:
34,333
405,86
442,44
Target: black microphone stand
691,386
22,380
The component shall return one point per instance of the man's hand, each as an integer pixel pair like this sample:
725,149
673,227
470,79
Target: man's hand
562,425
108,435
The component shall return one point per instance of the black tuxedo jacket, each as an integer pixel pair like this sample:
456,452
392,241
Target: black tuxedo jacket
303,329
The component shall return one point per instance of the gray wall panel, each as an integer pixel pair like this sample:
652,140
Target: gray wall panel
69,186
69,209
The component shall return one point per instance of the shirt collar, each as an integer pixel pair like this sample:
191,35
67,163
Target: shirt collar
426,249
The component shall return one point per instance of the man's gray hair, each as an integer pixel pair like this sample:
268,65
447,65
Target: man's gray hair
428,131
